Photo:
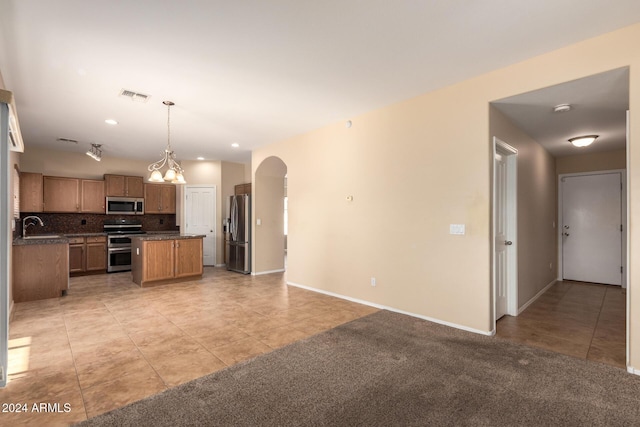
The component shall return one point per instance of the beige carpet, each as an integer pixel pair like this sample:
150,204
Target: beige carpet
389,369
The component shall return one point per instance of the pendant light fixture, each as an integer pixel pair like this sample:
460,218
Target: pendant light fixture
174,171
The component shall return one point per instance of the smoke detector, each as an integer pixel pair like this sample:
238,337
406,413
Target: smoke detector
134,96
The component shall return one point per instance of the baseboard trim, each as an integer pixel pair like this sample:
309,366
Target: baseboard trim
395,310
218,265
632,370
536,296
260,273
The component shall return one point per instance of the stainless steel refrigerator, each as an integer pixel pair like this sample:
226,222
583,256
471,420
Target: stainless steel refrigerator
238,235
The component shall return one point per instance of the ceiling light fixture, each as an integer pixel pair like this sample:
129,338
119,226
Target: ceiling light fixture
235,145
562,108
95,152
583,141
200,158
111,122
174,172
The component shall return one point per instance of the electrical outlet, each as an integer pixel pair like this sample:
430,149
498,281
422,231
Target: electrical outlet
373,281
550,266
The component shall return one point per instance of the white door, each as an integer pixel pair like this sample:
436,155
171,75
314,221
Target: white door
592,228
200,214
504,213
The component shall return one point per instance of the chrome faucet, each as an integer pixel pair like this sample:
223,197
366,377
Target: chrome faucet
34,219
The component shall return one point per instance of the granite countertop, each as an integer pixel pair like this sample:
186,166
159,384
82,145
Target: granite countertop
41,240
84,234
166,236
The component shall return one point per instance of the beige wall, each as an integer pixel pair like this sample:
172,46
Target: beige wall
268,207
537,208
415,167
609,160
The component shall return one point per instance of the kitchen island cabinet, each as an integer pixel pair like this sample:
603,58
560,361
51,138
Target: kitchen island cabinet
40,268
166,258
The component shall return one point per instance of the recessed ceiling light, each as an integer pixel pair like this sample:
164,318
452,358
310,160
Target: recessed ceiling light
235,145
111,122
562,108
200,158
583,141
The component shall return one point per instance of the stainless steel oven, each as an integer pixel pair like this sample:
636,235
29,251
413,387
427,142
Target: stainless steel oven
119,233
119,259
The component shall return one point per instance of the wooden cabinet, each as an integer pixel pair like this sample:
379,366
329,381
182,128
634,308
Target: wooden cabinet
124,186
96,254
242,189
159,199
40,271
188,257
30,192
92,199
61,194
87,254
165,261
159,259
76,254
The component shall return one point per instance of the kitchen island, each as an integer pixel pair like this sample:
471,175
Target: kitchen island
40,267
158,259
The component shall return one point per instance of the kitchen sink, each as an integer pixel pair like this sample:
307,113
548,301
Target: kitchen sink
43,236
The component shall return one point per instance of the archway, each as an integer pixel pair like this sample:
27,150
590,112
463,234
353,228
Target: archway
269,240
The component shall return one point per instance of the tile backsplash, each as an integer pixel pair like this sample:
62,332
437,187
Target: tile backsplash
91,223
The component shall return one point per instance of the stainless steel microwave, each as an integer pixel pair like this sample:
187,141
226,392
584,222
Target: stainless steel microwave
125,206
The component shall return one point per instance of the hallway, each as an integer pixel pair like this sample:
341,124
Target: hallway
574,318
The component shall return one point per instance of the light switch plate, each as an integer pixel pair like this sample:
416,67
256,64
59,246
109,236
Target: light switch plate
457,229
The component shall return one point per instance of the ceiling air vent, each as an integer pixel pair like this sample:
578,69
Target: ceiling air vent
134,96
72,141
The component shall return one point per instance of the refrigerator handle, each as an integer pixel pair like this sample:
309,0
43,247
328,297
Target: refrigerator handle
234,219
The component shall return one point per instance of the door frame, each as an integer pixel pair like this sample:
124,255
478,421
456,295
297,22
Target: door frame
623,220
500,147
215,215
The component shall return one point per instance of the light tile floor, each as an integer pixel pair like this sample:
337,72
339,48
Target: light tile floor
109,343
578,319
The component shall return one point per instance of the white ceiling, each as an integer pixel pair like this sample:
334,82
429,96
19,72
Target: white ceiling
598,107
254,71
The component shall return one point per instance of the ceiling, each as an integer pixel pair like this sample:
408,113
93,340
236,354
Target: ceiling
598,107
253,72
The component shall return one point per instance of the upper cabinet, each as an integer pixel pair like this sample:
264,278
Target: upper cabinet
61,194
30,192
92,196
159,199
124,186
242,189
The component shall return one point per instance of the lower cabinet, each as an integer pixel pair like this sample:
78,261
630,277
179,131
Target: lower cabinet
87,254
39,271
165,261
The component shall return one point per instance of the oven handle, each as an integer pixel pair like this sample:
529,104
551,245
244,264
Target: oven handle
119,249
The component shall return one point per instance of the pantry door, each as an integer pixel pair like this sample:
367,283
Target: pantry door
200,214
